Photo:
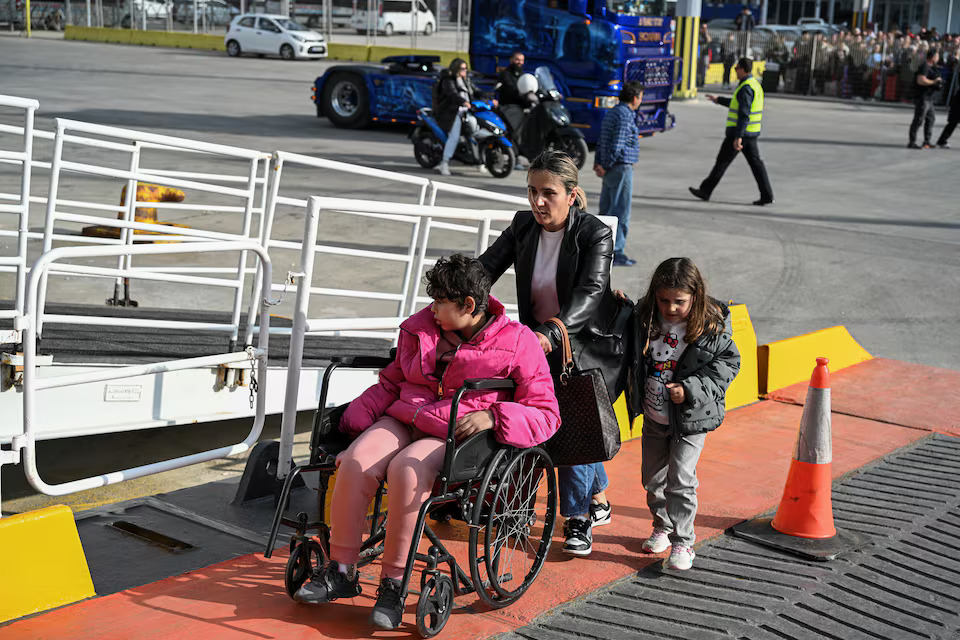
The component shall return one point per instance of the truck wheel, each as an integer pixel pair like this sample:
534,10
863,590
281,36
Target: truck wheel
499,159
233,49
574,146
428,30
345,101
427,149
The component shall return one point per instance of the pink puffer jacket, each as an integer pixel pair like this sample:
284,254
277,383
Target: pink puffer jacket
410,391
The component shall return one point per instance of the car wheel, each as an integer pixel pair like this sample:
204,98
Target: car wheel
345,101
428,30
388,29
233,49
286,52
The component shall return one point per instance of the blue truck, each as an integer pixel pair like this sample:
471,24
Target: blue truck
591,47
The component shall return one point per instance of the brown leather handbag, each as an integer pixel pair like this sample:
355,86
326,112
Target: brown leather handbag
588,431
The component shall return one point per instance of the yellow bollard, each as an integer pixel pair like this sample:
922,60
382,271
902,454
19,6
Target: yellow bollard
43,564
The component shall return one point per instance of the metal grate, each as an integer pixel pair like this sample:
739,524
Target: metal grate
904,585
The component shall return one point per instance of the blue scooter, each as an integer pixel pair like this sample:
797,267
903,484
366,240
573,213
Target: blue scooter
490,146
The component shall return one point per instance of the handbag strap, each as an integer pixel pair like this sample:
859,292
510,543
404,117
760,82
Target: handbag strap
566,350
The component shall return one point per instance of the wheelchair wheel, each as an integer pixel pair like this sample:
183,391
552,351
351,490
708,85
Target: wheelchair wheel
434,606
514,519
304,559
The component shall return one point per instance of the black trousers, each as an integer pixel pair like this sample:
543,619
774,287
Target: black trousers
952,122
923,113
727,153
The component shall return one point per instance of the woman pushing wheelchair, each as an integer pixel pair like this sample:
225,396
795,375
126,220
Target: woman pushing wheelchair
399,424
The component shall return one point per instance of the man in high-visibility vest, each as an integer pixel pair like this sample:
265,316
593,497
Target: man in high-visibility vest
743,128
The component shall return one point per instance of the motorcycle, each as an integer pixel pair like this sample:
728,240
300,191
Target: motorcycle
490,146
546,123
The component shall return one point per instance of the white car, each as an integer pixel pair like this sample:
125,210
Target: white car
397,16
266,34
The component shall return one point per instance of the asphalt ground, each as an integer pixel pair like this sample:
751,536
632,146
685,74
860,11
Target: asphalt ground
864,232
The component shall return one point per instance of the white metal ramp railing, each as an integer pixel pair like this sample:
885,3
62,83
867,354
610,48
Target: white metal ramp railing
23,157
55,261
131,144
304,324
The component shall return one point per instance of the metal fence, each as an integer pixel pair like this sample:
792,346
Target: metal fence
426,24
869,66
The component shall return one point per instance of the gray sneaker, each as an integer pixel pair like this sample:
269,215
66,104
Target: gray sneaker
327,585
388,612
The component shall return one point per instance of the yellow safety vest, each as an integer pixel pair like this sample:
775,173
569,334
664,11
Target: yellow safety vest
756,109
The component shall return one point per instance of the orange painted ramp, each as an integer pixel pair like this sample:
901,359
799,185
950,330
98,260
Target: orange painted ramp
741,473
911,395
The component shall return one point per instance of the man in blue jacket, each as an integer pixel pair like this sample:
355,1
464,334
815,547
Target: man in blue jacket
745,112
617,151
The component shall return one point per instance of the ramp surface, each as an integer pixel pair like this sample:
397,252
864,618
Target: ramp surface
906,584
741,473
910,395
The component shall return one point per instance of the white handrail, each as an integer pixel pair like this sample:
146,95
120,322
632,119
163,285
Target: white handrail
26,442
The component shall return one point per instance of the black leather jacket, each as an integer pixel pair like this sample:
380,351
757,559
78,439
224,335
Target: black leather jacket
588,307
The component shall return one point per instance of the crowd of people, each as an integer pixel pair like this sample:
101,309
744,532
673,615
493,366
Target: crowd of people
865,64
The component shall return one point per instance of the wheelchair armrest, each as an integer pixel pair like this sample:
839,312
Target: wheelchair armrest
487,384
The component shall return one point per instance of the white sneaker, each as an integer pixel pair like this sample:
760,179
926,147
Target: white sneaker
658,542
600,514
444,169
681,558
482,168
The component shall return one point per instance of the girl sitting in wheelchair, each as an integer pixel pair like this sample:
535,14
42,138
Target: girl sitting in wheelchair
399,424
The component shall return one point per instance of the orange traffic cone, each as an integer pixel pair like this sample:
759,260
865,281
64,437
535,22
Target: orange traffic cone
803,523
805,509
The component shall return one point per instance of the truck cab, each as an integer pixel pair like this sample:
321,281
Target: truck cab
591,46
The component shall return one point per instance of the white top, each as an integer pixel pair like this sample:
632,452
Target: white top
666,345
543,284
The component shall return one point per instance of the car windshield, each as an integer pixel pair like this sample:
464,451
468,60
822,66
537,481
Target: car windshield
545,79
290,25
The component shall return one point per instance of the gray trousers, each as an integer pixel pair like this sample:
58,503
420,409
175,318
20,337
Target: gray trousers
669,473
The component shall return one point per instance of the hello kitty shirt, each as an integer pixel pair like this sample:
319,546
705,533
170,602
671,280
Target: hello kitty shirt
666,347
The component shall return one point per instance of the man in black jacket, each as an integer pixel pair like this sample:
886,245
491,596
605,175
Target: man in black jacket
743,129
927,81
952,119
507,81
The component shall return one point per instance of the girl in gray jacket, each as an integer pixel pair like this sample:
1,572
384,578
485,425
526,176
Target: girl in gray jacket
684,361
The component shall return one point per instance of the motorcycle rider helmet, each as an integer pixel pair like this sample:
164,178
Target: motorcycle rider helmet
527,83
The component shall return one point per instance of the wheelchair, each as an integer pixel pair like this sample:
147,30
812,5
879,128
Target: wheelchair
506,496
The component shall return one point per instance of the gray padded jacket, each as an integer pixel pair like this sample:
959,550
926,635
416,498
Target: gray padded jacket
705,369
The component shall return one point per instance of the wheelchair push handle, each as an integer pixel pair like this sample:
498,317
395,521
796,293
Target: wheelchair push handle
363,362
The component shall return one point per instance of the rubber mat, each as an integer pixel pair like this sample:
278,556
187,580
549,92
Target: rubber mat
905,584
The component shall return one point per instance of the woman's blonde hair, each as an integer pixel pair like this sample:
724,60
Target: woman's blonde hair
560,166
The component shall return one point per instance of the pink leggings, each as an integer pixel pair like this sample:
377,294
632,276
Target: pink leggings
410,463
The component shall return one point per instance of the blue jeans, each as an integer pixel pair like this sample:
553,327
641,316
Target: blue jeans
578,485
615,200
453,136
